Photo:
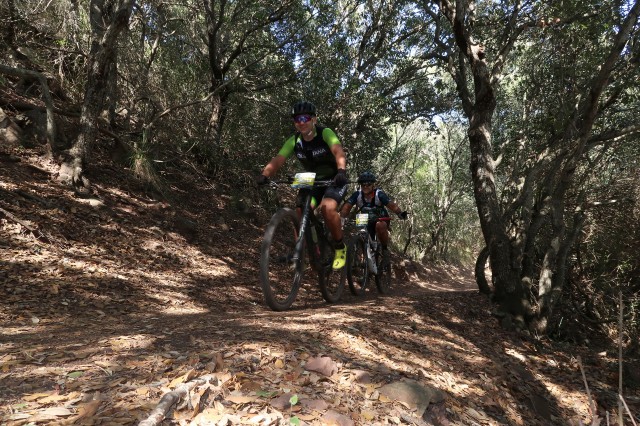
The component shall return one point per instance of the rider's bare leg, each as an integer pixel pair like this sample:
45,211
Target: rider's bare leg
329,210
382,231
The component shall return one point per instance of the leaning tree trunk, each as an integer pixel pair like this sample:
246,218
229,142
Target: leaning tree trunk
106,26
509,292
479,107
481,277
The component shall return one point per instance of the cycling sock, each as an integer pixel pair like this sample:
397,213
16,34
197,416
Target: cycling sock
338,245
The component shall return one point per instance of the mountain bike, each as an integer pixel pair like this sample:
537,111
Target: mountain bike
365,257
287,238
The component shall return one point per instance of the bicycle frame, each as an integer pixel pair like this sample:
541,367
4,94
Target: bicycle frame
308,220
372,244
367,258
274,272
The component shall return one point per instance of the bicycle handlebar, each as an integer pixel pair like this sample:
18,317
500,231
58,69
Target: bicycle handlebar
272,184
349,221
384,219
318,183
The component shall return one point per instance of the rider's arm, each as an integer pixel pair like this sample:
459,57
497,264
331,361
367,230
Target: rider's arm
348,204
332,140
388,203
279,160
346,209
274,165
394,207
341,159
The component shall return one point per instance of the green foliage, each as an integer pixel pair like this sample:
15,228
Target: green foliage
141,163
606,257
538,99
293,401
425,169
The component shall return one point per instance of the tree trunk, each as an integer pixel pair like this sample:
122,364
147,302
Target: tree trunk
555,278
481,277
409,238
514,262
106,26
509,290
216,119
549,265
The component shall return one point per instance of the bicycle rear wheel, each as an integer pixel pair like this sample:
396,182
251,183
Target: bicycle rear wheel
281,268
357,266
331,282
383,278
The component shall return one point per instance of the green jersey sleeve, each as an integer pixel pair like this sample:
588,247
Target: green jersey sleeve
330,137
287,147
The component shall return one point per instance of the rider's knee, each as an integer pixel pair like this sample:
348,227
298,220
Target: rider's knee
381,227
326,207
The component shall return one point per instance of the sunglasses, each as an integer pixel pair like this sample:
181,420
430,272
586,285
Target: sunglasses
301,119
366,184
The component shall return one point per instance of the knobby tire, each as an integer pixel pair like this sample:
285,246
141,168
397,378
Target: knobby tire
331,282
383,278
280,275
357,266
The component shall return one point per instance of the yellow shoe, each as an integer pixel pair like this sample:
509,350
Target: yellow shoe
340,258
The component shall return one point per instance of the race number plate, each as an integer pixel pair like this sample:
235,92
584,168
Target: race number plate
362,220
303,180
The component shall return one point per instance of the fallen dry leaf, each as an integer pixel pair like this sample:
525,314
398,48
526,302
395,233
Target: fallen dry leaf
323,365
87,410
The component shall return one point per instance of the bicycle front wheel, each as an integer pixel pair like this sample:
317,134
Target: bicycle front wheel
281,267
331,281
357,266
383,279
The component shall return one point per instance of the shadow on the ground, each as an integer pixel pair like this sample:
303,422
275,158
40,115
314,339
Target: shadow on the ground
125,296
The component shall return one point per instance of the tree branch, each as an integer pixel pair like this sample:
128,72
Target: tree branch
46,94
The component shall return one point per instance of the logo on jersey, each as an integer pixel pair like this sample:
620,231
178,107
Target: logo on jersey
311,154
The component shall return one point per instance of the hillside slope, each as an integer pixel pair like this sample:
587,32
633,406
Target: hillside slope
109,302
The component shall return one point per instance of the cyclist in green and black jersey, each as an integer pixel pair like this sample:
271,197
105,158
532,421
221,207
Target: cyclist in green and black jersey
320,151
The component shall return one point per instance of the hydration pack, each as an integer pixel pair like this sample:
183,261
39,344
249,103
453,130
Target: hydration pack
376,200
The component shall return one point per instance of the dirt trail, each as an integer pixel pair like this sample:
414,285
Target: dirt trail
108,303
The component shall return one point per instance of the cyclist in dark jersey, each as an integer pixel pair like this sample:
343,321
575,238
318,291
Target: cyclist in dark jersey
369,199
320,151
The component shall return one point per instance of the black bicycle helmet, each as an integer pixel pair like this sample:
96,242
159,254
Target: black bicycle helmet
366,177
303,107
